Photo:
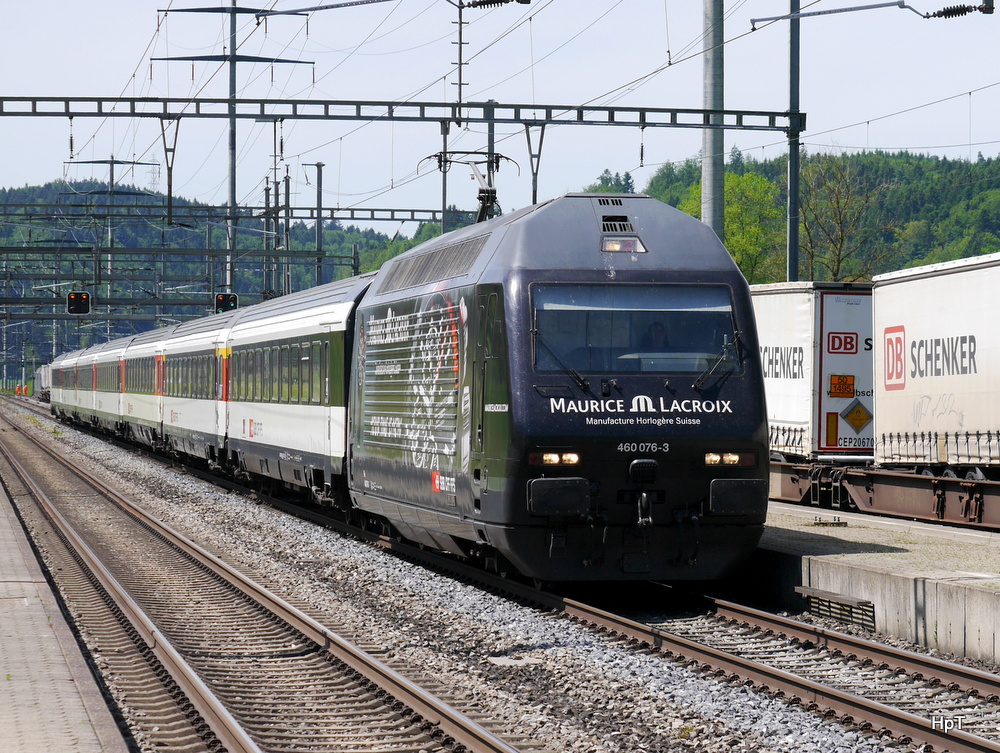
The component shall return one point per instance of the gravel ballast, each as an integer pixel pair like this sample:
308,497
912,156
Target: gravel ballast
559,684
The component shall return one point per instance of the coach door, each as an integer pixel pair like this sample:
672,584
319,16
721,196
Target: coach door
487,369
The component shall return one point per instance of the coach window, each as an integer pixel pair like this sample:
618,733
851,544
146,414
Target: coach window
273,385
293,375
232,376
318,367
305,376
244,375
247,375
253,375
285,380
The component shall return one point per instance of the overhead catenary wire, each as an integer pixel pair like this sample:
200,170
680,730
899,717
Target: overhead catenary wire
281,85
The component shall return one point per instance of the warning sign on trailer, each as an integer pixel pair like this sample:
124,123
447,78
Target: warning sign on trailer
842,385
857,415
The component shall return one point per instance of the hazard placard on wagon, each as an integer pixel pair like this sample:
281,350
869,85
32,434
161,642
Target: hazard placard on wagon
841,385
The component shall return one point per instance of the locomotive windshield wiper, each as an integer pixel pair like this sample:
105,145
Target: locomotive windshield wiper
581,382
699,383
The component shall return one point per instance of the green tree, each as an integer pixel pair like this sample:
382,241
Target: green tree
671,182
753,223
608,183
846,232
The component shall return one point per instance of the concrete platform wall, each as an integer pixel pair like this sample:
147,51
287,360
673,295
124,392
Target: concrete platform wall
949,614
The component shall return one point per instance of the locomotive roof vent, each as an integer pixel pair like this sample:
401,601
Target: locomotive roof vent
450,261
616,223
606,202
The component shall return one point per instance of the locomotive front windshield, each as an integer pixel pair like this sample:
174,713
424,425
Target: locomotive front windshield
623,328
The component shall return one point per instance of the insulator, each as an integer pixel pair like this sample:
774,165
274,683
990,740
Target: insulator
953,12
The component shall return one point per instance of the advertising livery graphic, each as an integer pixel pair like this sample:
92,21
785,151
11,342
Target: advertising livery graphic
927,357
411,364
641,410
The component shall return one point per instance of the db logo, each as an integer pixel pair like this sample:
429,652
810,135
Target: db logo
842,342
895,350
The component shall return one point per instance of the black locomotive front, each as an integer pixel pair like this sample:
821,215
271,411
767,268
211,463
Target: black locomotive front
638,416
575,388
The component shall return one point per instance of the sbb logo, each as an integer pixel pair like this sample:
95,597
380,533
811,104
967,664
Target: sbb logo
895,358
842,342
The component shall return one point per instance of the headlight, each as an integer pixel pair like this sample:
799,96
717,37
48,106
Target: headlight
554,458
732,459
622,244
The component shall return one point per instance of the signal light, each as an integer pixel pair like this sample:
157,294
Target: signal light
226,302
78,302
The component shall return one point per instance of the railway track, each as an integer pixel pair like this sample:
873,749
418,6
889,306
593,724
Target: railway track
914,698
244,669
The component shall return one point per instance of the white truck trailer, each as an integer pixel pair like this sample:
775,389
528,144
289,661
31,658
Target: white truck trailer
886,397
937,396
816,352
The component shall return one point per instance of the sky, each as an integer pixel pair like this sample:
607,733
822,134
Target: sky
882,78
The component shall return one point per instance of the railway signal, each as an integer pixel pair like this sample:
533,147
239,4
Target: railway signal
226,302
78,302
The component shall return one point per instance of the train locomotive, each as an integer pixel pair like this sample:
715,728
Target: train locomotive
572,390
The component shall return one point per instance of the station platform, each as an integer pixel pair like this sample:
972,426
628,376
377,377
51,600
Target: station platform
934,585
49,701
